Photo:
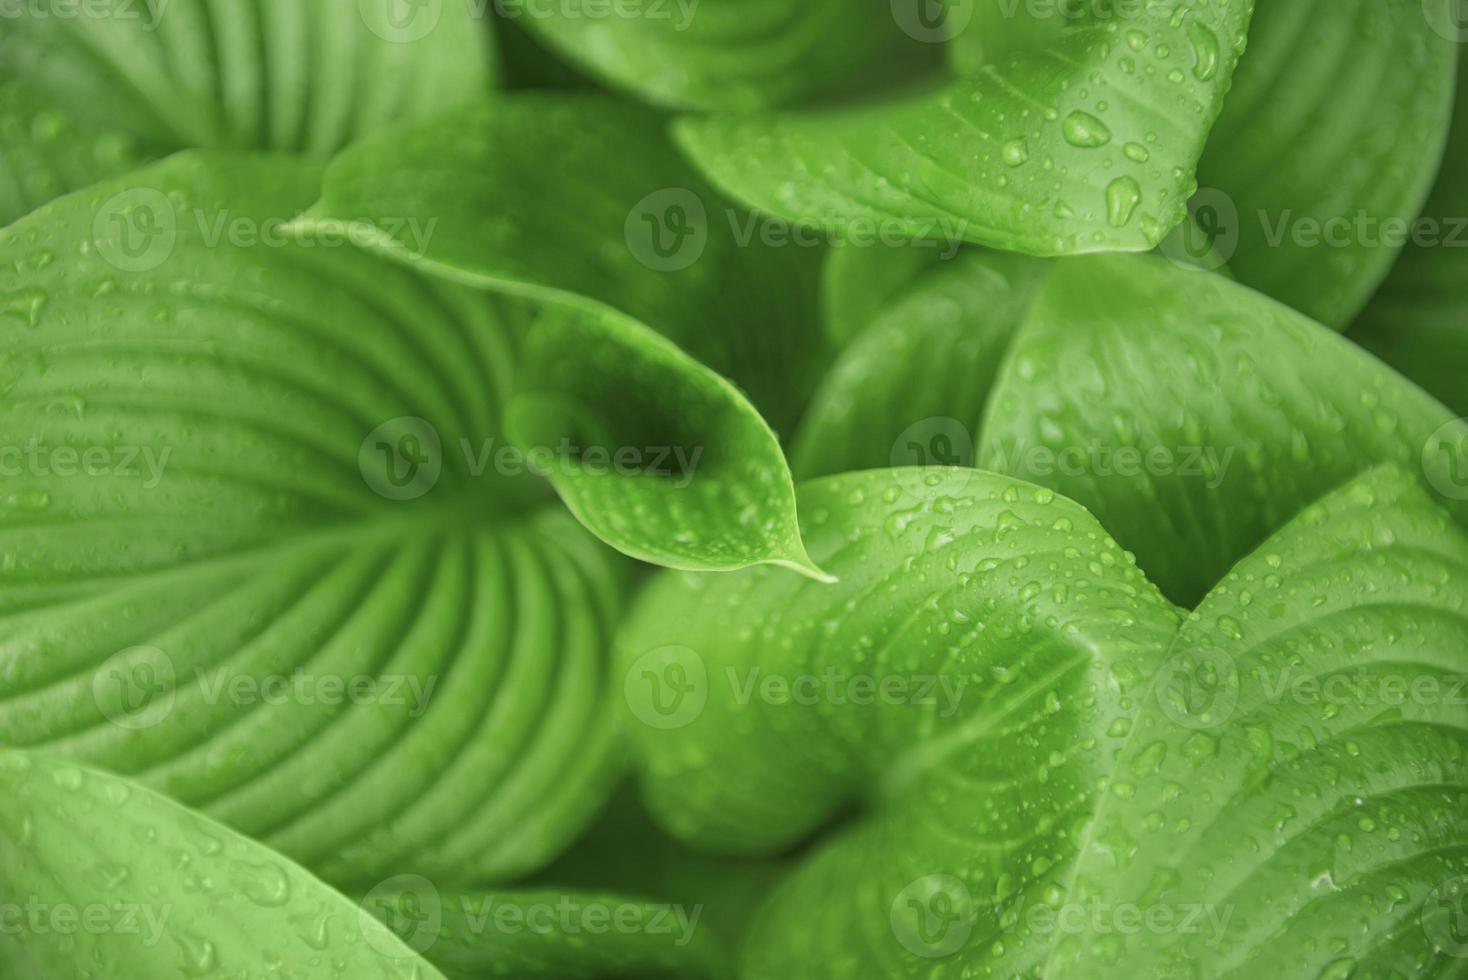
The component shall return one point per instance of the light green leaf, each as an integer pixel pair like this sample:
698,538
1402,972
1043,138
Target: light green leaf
717,54
1100,378
911,390
105,878
506,188
246,74
1068,783
965,684
1418,320
671,464
1192,415
1083,137
1327,146
1302,762
549,934
261,544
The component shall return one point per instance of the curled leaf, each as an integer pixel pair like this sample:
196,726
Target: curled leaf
1082,136
645,248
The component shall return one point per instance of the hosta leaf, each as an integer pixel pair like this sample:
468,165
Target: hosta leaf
1327,146
246,74
911,390
1194,416
111,880
967,681
46,153
1099,377
545,934
688,476
508,190
1092,802
858,283
626,851
717,54
1302,762
1418,320
1083,137
261,546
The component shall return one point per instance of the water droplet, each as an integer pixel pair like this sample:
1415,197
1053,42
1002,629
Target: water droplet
1205,51
267,885
1016,152
1085,130
1122,197
25,304
111,875
28,500
198,954
68,778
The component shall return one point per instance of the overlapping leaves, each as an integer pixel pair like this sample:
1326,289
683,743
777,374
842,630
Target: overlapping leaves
266,449
647,240
263,551
1186,480
88,90
1090,765
1082,134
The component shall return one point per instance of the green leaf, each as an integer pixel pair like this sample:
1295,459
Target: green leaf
626,851
671,464
964,684
1327,146
513,211
549,934
911,390
857,283
110,879
1418,321
1082,784
717,54
1084,139
1302,761
1192,415
261,543
249,74
1100,378
46,153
